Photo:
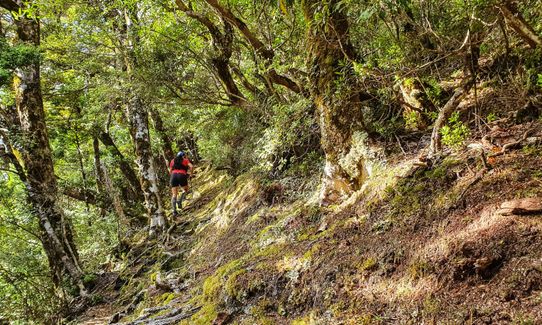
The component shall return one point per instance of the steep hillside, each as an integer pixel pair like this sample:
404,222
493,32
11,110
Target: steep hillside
452,239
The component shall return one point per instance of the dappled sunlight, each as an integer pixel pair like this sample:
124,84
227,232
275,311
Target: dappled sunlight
396,290
234,204
440,247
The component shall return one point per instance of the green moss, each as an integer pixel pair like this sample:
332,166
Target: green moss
303,237
206,315
255,218
300,321
259,316
309,254
89,279
368,265
271,250
213,284
233,288
532,150
431,306
419,269
166,298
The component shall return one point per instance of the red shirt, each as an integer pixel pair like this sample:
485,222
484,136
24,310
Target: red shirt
185,163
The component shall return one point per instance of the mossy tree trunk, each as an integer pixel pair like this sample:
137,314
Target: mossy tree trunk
137,114
56,232
139,127
335,92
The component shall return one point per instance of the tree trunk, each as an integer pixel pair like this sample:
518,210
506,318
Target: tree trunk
98,171
333,88
56,231
124,165
139,126
167,147
166,154
519,24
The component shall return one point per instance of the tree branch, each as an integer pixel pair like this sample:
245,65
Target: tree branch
258,45
260,48
9,5
221,62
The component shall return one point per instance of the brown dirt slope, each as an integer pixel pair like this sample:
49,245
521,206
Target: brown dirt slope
416,245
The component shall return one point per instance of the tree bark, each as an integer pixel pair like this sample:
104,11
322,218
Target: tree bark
98,171
55,230
139,126
166,152
167,147
334,90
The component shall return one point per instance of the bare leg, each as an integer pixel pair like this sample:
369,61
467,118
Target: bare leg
174,194
183,196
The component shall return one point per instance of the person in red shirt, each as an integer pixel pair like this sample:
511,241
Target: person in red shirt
180,170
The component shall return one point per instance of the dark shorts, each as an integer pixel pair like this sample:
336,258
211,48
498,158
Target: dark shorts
178,180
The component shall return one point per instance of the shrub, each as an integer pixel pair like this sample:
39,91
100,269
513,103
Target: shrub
455,133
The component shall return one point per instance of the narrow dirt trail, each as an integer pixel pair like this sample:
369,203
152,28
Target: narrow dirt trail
176,240
97,315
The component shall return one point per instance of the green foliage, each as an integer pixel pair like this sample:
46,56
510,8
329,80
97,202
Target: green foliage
491,117
369,264
434,91
455,133
388,129
412,119
12,57
26,289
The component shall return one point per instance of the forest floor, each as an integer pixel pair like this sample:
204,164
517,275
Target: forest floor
452,240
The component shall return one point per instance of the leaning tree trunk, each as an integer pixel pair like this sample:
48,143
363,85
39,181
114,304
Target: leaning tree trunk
515,20
56,230
139,125
125,167
335,92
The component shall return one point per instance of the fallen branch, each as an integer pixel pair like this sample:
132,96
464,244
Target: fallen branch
512,145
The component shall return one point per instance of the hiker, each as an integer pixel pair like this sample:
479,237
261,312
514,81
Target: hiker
180,170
